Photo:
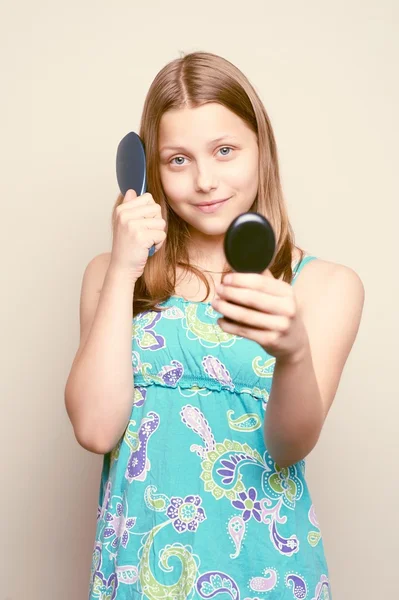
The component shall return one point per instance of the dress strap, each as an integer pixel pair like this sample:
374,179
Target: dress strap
300,264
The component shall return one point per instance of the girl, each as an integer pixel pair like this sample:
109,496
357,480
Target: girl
206,389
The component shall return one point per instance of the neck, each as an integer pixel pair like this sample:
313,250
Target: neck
208,255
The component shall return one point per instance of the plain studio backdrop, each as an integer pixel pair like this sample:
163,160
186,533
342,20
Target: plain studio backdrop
74,78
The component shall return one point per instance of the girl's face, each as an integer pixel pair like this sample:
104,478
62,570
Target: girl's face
208,154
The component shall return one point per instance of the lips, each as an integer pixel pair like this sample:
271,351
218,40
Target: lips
211,207
212,202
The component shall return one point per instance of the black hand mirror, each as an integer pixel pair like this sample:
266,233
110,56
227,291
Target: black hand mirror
131,167
249,243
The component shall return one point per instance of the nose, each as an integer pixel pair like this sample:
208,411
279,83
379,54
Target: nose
206,178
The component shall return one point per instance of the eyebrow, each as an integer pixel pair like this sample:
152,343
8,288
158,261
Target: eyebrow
211,143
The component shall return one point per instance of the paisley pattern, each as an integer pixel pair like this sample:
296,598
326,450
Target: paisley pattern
191,504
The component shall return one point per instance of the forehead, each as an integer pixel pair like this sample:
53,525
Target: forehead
200,123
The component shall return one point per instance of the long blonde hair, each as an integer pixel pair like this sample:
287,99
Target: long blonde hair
190,81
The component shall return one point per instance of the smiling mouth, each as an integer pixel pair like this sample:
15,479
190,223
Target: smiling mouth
213,202
212,207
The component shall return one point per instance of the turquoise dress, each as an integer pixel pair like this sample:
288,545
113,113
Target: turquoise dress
191,504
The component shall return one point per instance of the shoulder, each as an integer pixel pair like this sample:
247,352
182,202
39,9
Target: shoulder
324,277
101,259
330,295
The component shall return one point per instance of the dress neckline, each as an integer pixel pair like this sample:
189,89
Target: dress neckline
183,300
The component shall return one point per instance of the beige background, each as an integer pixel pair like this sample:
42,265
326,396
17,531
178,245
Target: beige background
74,76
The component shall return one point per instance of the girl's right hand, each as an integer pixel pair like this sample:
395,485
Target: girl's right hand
138,226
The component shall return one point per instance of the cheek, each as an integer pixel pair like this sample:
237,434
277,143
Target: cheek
249,180
244,177
252,175
176,186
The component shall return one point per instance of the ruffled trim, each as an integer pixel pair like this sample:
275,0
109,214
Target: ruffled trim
204,383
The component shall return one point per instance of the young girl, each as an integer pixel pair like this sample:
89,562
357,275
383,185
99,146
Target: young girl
204,389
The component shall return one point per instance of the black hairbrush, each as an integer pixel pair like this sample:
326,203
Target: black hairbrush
131,167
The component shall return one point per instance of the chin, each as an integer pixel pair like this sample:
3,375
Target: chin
217,229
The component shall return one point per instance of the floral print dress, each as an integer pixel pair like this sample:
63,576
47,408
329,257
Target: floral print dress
191,504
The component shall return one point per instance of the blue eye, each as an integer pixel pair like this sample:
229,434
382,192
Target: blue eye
177,158
225,148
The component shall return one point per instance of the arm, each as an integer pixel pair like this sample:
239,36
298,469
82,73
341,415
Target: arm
99,389
331,300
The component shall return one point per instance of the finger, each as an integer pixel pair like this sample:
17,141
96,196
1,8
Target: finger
145,200
137,210
158,242
257,281
264,338
141,212
132,197
145,224
151,224
257,300
154,238
252,318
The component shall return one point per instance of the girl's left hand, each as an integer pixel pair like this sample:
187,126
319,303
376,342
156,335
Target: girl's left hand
263,309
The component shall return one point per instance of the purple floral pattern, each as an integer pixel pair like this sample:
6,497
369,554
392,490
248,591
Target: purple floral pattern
119,526
249,505
186,514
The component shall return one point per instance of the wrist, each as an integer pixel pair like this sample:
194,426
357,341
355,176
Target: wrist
121,274
301,355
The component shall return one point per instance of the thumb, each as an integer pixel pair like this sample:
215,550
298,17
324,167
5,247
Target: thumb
130,195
